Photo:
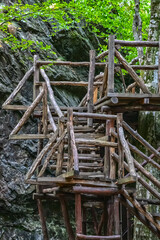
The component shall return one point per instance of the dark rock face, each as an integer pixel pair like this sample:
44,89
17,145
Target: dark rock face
18,212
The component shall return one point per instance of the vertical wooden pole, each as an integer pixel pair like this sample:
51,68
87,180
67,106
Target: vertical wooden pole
70,154
45,115
110,220
105,84
95,95
107,151
42,219
78,213
111,45
120,149
36,77
84,220
159,67
90,85
116,216
112,162
66,217
60,155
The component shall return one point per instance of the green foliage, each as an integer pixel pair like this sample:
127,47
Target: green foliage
101,17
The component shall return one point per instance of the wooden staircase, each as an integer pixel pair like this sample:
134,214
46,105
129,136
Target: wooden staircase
86,153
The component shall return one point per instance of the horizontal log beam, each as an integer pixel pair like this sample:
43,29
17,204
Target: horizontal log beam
66,83
29,136
96,190
137,43
96,142
91,237
95,115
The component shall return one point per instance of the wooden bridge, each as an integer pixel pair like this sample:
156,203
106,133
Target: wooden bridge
89,155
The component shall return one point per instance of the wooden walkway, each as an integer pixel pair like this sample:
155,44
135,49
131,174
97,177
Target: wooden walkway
89,156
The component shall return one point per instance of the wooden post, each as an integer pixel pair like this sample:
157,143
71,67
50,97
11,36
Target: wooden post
44,114
104,84
36,76
84,220
112,150
120,149
66,217
116,216
111,45
78,213
90,85
107,151
60,150
42,219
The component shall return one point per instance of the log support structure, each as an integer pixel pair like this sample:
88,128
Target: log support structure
84,154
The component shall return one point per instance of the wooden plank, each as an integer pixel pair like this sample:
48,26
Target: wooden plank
133,74
137,43
90,85
111,45
19,86
126,180
51,95
120,147
107,151
27,113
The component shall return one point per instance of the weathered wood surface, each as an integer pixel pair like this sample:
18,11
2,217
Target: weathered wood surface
96,142
136,135
126,150
97,191
35,77
104,84
50,190
102,55
92,237
144,156
41,155
44,113
60,155
133,74
146,185
111,102
66,217
78,213
131,208
54,127
29,136
15,107
27,113
111,54
94,115
67,83
90,85
43,220
72,149
136,204
52,151
19,86
137,43
51,95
